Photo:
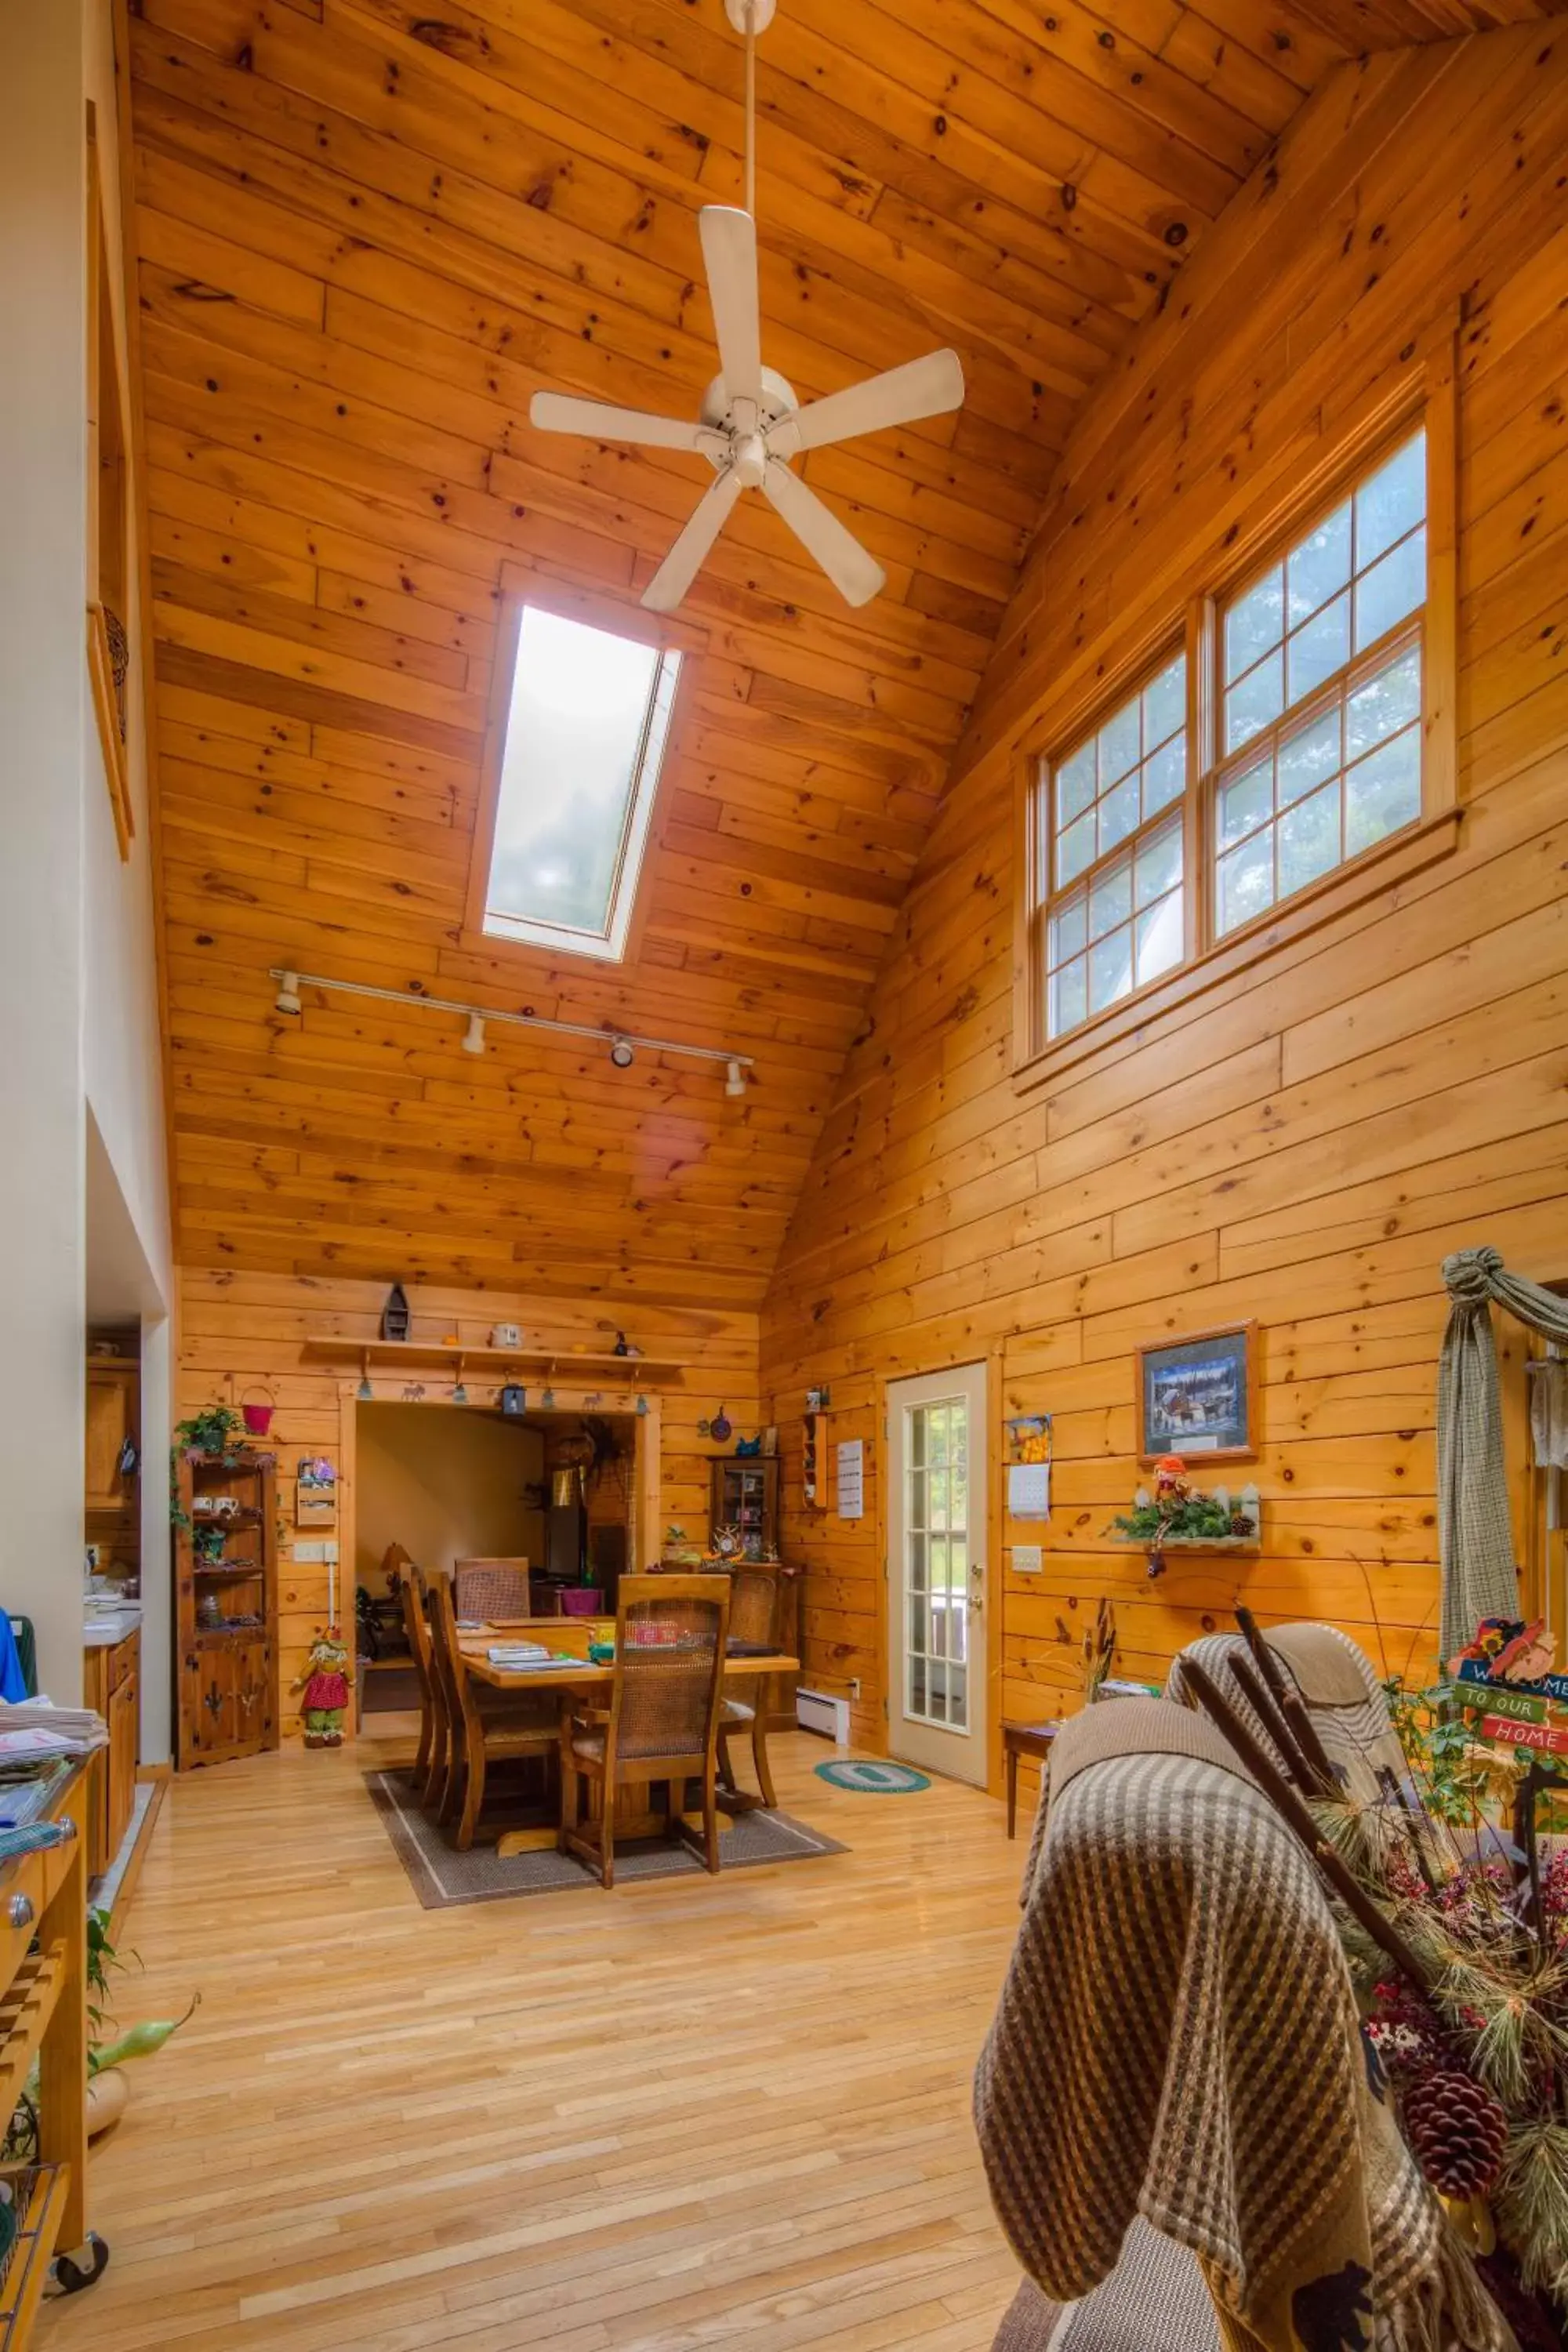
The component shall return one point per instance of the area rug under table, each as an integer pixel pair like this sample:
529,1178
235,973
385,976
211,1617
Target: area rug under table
439,1874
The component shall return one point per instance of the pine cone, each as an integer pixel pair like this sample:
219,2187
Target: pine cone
1240,1523
1456,2129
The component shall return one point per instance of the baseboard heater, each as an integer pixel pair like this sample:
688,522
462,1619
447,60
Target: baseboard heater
815,1711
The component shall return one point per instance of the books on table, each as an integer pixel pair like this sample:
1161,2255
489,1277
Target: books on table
520,1657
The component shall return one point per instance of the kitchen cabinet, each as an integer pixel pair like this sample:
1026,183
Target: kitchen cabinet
113,1416
112,1684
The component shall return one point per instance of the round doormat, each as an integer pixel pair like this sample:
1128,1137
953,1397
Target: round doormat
871,1778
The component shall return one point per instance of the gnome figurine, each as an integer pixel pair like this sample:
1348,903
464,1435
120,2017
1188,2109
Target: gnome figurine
325,1682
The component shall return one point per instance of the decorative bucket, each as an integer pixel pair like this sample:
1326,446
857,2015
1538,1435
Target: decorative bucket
579,1601
257,1418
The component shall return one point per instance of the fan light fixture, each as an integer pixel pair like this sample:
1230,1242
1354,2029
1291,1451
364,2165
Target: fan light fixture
622,1054
751,422
288,997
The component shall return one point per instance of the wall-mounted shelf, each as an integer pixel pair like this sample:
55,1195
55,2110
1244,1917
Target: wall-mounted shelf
1155,1548
598,1365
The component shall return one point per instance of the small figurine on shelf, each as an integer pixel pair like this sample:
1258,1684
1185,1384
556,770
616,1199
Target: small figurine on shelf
325,1682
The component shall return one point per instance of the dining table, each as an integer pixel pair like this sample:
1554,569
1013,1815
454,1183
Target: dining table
579,1681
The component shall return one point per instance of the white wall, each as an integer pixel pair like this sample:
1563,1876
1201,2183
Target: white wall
122,1072
76,975
446,1485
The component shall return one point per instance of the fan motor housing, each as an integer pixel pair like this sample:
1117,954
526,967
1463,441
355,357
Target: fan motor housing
778,400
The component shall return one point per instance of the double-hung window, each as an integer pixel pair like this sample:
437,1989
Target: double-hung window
1116,853
1319,696
1282,733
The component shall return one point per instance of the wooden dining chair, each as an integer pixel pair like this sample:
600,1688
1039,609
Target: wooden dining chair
488,1727
754,1617
663,1719
429,1766
491,1591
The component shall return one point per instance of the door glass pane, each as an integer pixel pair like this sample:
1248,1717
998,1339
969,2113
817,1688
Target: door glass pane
935,1567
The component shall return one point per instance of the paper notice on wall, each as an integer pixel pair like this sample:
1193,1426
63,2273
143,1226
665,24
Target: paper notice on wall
1029,1490
851,1454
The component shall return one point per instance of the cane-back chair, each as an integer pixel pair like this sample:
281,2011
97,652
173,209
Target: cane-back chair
487,1726
754,1619
663,1718
489,1591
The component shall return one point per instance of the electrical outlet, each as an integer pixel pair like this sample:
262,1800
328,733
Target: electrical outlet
854,1685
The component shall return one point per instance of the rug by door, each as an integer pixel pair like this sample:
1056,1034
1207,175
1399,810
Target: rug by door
439,1874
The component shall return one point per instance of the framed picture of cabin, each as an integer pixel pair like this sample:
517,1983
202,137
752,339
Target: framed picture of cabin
1198,1396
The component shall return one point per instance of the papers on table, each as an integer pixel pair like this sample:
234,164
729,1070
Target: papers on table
35,1730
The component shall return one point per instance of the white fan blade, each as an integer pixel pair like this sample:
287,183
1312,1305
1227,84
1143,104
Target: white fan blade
927,387
856,575
560,411
681,566
729,258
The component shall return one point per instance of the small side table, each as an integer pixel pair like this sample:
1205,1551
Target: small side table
1024,1739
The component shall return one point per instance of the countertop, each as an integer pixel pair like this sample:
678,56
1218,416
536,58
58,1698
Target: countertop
103,1632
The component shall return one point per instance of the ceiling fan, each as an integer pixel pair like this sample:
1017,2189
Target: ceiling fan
751,424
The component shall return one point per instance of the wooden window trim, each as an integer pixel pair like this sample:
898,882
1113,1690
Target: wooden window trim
597,608
109,538
1430,398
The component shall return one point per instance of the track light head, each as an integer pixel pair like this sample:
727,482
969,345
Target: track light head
735,1079
622,1054
474,1036
288,997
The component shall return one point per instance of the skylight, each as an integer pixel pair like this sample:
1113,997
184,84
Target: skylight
584,738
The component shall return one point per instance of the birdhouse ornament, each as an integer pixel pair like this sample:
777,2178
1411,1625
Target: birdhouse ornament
325,1685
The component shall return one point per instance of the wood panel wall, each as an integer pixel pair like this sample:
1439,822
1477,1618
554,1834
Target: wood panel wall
1306,1147
247,1331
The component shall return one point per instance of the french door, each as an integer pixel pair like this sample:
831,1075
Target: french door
936,1571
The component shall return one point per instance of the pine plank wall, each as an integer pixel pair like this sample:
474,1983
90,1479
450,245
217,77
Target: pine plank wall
1303,1149
1306,1148
246,1333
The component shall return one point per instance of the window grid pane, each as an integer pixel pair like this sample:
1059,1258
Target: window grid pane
936,1564
1116,850
1355,575
1317,794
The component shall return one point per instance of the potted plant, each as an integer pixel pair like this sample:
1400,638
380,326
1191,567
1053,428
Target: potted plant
107,2089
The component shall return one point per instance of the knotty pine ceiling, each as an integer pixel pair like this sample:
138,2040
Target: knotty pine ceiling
365,235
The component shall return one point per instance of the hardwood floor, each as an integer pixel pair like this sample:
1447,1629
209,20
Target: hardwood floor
697,2114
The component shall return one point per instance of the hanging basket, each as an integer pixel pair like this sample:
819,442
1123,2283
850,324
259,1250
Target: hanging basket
257,1418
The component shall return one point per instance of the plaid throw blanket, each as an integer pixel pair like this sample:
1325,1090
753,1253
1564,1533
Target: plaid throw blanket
1177,2037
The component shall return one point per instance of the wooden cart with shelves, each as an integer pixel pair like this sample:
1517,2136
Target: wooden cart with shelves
225,1593
43,2016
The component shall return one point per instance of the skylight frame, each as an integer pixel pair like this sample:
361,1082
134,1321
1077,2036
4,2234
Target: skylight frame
497,929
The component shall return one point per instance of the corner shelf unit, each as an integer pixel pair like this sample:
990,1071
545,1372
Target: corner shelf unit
227,1671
